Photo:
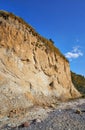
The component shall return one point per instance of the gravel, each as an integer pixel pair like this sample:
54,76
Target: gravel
64,117
64,120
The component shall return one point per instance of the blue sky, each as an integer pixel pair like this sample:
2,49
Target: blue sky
61,20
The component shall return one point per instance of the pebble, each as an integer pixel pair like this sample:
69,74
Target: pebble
9,125
59,110
78,111
26,124
38,120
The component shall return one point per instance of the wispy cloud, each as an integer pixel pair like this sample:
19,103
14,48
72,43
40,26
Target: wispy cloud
75,53
76,40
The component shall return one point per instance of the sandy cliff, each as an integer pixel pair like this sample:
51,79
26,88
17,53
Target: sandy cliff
32,71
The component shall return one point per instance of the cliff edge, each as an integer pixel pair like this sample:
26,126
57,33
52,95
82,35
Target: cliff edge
32,70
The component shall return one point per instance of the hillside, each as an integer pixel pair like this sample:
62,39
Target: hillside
32,70
79,82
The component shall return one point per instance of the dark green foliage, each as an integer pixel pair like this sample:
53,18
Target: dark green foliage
51,41
4,15
79,82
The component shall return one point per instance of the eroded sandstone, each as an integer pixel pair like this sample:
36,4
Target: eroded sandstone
30,72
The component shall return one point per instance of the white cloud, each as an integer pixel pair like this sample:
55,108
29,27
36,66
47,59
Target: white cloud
75,53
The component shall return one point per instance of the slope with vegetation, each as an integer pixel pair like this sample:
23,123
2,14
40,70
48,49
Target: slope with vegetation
79,82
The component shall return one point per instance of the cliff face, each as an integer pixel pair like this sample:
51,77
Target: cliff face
32,71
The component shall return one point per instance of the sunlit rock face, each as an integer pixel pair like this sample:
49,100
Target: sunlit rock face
32,70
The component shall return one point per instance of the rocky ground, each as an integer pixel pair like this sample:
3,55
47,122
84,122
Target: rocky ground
63,116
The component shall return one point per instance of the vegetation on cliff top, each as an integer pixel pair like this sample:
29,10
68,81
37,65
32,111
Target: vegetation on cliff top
48,43
79,82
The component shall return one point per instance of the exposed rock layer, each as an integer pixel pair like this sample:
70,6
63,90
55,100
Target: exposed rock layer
30,72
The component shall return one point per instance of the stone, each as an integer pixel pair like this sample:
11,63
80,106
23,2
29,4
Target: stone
78,111
9,125
26,124
53,106
38,120
59,110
